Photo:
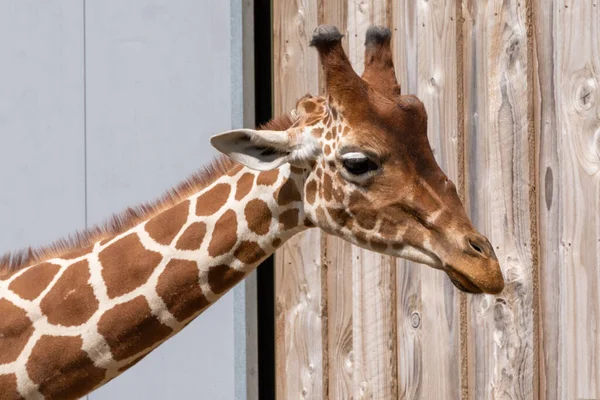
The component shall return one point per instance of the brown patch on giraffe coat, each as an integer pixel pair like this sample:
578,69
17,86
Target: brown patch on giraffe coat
308,106
130,328
388,228
31,283
213,200
287,193
363,210
362,239
222,277
15,330
327,187
346,130
328,135
327,150
308,223
165,226
340,216
71,301
317,132
311,192
378,245
132,363
8,387
61,369
319,172
192,237
179,287
267,178
126,265
296,170
288,219
312,121
244,186
224,234
276,242
77,253
249,252
258,216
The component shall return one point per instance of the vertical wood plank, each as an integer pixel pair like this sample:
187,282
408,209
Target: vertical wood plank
552,373
374,326
373,276
408,274
428,304
500,327
568,127
339,260
298,283
339,318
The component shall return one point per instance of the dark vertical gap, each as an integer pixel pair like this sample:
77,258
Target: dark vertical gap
265,274
85,172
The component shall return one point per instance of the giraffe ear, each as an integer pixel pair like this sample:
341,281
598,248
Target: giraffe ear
265,150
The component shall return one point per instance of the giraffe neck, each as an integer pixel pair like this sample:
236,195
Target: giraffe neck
71,324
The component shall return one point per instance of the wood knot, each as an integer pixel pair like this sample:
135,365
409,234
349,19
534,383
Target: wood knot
584,91
549,187
513,49
363,7
415,319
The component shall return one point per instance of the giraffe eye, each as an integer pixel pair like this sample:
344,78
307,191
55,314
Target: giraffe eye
358,164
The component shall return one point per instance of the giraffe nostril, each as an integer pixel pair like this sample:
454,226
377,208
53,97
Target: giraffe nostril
478,245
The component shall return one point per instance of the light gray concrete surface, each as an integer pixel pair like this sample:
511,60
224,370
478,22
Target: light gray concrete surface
106,104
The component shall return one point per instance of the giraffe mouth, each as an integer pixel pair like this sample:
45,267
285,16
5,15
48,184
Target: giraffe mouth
462,283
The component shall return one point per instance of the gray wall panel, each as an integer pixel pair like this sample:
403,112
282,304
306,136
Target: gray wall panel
158,85
41,122
121,97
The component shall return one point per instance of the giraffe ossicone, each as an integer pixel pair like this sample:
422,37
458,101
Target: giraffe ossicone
355,162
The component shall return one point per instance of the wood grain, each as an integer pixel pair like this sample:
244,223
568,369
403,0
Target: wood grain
568,127
339,318
373,275
339,261
501,340
298,283
374,326
428,304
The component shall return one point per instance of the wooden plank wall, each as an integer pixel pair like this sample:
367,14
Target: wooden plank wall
512,93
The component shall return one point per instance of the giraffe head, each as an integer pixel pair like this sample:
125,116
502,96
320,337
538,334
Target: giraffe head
369,174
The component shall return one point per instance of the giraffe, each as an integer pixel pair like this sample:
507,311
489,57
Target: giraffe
355,162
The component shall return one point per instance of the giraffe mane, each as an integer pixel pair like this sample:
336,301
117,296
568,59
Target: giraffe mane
132,216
